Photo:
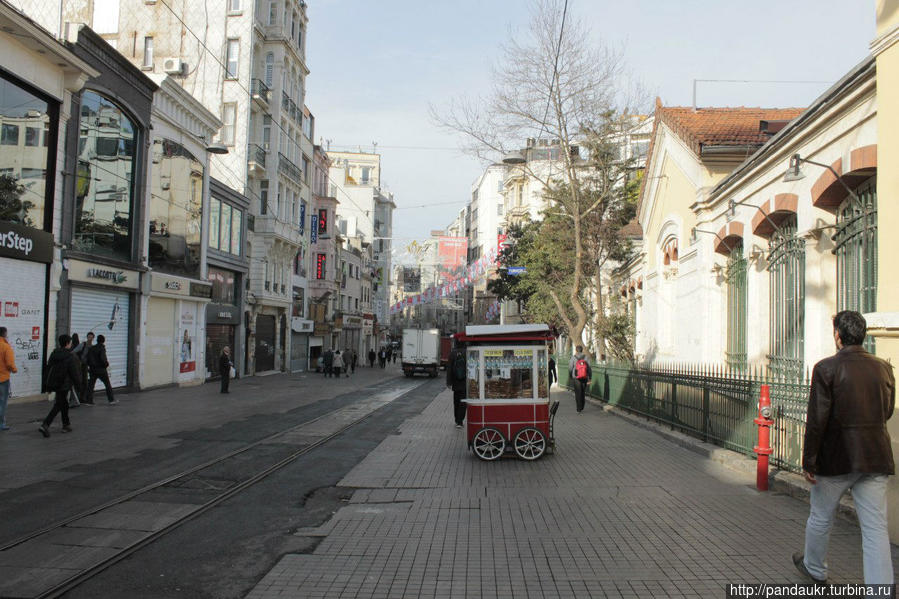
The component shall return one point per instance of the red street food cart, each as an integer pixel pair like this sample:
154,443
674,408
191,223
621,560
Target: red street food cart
507,395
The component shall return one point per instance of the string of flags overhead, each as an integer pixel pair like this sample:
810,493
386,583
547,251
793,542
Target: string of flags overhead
472,273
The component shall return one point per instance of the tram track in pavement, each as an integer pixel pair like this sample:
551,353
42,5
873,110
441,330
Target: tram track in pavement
166,516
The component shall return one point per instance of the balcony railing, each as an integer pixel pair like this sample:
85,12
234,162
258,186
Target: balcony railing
285,102
288,168
260,91
256,153
295,112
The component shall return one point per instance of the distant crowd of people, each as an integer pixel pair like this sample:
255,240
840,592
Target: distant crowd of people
333,362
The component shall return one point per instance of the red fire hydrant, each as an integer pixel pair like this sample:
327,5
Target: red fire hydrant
763,449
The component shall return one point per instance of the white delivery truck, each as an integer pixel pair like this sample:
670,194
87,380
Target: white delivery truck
421,351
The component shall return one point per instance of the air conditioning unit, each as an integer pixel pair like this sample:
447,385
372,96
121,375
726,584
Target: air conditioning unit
173,66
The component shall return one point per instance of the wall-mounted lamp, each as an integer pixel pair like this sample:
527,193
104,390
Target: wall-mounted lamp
694,238
794,172
514,157
732,208
214,148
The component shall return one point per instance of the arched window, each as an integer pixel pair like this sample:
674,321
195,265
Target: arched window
856,252
669,252
786,272
269,68
104,184
736,308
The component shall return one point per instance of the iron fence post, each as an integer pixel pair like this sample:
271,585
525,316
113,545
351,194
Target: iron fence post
706,402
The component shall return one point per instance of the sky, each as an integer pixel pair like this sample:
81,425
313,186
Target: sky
377,67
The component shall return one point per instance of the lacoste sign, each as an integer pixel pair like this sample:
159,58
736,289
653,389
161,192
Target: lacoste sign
116,277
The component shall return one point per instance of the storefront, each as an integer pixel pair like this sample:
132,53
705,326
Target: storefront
300,330
222,319
265,342
24,256
174,343
352,333
101,301
368,329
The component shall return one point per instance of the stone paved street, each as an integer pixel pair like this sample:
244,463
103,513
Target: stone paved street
617,511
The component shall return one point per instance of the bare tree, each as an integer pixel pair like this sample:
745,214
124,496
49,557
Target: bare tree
553,82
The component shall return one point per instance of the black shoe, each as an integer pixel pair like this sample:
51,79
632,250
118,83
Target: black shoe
44,431
799,562
67,429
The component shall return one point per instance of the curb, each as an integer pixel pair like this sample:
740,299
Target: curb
781,481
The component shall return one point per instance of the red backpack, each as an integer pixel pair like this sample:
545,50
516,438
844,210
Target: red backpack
580,369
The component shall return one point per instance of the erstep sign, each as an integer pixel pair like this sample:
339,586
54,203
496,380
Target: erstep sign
25,243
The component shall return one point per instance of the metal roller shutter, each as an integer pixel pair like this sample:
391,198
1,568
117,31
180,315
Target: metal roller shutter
22,306
105,313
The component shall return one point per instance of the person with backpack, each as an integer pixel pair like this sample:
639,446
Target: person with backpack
456,379
98,365
581,374
62,374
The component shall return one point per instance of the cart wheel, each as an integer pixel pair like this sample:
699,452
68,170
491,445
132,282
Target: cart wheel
529,443
488,444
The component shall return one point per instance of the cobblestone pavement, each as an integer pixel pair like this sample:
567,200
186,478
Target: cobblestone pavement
617,511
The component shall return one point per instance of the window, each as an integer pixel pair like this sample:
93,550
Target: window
32,137
175,210
293,25
499,186
266,132
233,5
229,115
737,299
9,135
225,232
322,221
299,303
224,289
106,16
366,173
215,219
300,38
786,271
232,58
236,230
305,170
104,178
499,209
269,71
856,251
148,52
263,197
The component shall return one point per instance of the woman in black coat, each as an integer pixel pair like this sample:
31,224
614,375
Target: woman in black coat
225,368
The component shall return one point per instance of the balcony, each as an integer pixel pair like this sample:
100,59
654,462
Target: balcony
269,225
255,160
285,103
260,93
287,168
296,113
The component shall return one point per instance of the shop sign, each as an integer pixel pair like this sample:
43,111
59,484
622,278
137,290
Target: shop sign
352,321
87,272
25,243
116,277
169,285
222,314
301,325
321,329
313,228
201,290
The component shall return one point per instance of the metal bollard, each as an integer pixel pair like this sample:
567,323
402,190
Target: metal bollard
763,449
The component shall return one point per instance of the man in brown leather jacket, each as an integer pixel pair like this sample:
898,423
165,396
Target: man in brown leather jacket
847,446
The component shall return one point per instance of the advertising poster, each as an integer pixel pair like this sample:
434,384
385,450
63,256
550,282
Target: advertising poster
187,340
452,252
22,313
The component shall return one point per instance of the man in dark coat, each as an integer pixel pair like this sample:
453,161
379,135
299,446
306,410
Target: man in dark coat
371,358
847,446
225,365
63,373
456,379
99,369
328,362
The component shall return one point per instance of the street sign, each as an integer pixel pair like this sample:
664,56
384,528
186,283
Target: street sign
516,270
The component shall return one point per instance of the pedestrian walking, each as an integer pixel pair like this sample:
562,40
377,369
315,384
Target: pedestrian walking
581,374
456,379
347,361
77,391
337,363
847,446
7,366
354,356
382,357
553,375
225,366
81,353
395,353
328,361
98,365
371,358
62,374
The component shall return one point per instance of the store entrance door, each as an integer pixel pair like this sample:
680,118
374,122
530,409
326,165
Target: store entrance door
265,343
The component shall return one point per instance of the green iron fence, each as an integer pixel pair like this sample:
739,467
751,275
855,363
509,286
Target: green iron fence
856,251
715,404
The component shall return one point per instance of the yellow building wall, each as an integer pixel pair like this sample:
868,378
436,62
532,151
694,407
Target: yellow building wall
675,194
888,212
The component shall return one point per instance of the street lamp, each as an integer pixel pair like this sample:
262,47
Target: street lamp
514,157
